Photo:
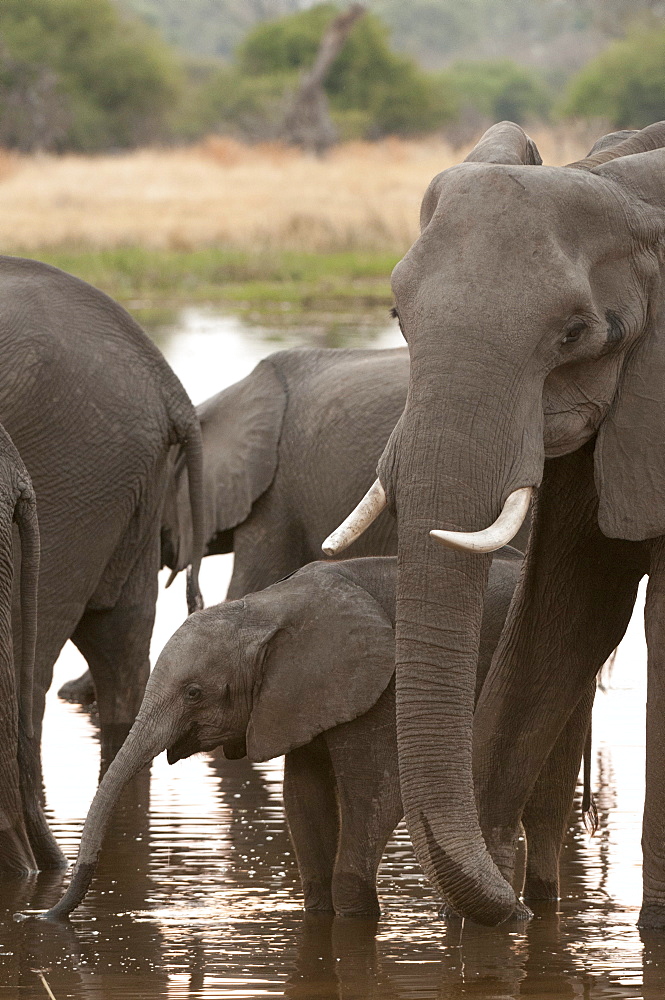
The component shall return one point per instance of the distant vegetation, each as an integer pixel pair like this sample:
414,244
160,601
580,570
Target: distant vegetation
92,75
625,85
373,91
75,74
226,222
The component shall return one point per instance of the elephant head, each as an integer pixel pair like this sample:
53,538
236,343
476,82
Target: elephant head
532,304
259,676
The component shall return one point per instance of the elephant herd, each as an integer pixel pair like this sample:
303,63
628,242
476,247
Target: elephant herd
451,683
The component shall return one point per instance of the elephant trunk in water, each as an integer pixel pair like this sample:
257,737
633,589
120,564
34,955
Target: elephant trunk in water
139,749
439,610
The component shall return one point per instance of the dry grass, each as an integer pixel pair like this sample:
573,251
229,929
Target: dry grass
362,197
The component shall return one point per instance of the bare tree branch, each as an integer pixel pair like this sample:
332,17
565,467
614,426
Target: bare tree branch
308,123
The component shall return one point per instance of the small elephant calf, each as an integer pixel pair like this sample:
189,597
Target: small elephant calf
304,668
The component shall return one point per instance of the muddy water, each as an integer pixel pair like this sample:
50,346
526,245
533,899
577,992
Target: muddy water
197,893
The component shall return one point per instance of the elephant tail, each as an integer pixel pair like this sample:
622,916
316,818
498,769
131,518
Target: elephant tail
186,431
589,810
25,514
189,436
190,439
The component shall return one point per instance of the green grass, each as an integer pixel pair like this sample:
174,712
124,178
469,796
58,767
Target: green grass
290,282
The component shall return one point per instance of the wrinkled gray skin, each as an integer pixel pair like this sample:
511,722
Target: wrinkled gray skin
286,452
94,411
17,506
304,668
532,304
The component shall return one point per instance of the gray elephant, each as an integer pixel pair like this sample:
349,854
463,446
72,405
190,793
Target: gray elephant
95,412
286,451
17,506
304,668
535,333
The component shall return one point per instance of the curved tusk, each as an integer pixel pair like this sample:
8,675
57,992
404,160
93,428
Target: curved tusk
358,520
506,526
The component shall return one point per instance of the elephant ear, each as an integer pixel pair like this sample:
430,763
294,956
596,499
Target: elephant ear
328,662
504,143
611,140
240,427
630,449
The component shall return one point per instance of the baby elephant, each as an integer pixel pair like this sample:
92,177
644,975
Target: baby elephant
304,668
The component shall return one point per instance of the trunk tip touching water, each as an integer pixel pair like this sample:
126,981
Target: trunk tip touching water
504,529
76,890
136,752
458,879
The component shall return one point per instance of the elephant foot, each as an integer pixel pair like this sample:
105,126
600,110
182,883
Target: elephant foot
354,896
318,896
537,887
360,912
652,917
80,691
16,857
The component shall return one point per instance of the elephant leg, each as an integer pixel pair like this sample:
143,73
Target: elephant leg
267,547
364,759
116,644
80,691
47,854
312,814
546,814
652,914
571,609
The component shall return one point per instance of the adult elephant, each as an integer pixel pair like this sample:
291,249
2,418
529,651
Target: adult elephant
285,451
94,411
17,506
532,304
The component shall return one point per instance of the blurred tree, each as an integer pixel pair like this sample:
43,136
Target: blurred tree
307,122
208,27
388,90
34,113
624,85
75,74
498,90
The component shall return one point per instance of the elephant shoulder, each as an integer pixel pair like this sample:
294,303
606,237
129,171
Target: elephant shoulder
377,575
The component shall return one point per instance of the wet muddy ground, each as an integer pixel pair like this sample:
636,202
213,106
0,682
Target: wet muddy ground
197,893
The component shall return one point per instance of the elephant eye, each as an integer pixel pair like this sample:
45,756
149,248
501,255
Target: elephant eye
193,693
395,315
574,332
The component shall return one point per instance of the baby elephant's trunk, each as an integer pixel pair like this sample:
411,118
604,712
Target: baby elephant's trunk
135,753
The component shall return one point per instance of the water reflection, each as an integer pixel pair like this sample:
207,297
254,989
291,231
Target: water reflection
199,896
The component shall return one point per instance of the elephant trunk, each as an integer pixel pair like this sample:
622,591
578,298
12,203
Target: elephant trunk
138,750
439,610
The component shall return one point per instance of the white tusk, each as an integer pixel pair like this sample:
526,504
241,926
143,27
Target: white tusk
506,526
358,520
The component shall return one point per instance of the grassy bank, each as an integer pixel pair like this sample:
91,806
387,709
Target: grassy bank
261,229
280,285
